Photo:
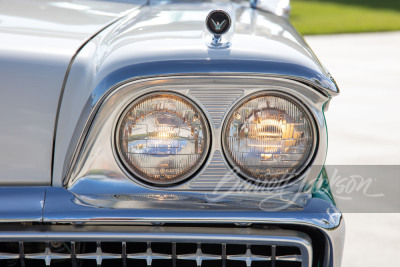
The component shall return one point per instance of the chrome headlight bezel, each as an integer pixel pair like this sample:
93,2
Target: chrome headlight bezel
197,166
276,182
98,156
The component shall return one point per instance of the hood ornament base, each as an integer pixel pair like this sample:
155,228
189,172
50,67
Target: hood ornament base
217,43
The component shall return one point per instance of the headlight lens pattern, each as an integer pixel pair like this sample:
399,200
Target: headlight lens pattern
163,138
268,137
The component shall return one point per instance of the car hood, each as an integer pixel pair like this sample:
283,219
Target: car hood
177,31
38,40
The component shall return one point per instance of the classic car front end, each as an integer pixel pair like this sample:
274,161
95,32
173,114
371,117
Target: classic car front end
163,133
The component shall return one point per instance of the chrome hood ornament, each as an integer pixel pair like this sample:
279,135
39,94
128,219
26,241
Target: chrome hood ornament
218,22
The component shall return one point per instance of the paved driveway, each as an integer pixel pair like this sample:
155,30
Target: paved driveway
364,129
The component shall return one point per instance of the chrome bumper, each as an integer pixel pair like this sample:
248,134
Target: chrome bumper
49,205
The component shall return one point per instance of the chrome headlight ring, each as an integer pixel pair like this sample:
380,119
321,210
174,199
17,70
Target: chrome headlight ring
270,137
162,138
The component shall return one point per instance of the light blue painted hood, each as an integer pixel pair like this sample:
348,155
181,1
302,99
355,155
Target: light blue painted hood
38,41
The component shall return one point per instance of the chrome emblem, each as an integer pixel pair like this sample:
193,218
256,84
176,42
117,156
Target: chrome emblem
217,25
218,22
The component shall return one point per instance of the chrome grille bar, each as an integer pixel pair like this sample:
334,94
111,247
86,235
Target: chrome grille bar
149,256
47,256
248,257
99,255
199,256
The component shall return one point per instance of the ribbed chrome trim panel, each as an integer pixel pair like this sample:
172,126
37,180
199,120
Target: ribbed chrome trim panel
217,102
152,246
214,175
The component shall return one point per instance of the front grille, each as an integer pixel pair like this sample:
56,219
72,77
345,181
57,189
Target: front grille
160,249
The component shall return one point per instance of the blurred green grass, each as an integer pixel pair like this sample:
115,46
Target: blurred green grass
345,16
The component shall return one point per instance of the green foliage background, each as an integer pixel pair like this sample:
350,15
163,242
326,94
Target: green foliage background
345,16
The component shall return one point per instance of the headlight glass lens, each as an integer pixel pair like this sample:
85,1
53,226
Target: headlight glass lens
163,138
268,137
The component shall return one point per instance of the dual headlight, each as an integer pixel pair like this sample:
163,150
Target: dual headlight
164,138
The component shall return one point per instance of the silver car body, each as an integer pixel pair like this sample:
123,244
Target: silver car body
70,67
